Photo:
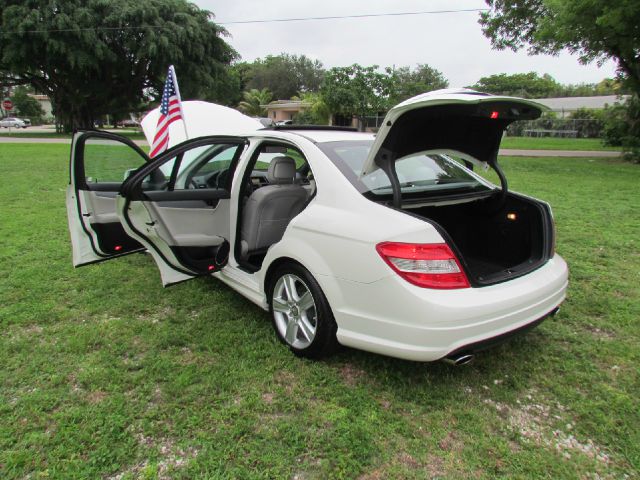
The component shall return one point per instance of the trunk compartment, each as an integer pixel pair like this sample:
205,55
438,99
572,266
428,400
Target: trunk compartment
494,240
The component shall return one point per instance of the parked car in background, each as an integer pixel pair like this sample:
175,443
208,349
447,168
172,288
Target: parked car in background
388,243
129,123
12,122
27,122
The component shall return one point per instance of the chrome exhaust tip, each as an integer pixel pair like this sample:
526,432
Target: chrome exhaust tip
459,359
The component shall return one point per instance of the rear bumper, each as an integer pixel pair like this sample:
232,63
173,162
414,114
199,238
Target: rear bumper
395,318
493,341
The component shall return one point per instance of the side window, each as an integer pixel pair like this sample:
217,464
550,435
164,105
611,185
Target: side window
207,167
203,166
109,161
266,156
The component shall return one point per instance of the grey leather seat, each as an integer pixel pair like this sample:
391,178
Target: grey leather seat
269,209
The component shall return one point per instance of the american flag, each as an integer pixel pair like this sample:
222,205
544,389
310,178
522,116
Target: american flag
170,111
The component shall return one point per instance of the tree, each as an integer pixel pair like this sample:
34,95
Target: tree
622,127
527,85
357,90
285,75
93,57
408,83
243,72
318,112
595,30
607,86
27,106
253,101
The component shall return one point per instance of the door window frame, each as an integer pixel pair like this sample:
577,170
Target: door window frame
77,176
131,189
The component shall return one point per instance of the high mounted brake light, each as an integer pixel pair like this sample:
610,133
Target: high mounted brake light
427,265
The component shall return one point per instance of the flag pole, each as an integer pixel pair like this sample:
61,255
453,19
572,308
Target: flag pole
175,84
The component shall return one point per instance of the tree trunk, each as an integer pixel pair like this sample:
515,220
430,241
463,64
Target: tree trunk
72,115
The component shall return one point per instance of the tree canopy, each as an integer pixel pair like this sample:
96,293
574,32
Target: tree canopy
93,57
284,75
527,85
408,82
595,30
253,101
318,112
356,90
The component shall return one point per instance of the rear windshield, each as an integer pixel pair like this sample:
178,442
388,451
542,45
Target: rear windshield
419,174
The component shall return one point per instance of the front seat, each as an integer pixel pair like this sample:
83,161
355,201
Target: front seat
269,209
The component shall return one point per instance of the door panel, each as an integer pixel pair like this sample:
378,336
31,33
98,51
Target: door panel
193,227
99,163
102,205
186,223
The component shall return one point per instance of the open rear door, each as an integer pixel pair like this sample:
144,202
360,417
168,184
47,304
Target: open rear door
178,206
100,162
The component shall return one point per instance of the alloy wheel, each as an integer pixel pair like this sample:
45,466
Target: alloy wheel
294,311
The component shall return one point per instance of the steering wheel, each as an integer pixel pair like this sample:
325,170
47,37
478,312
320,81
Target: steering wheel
204,181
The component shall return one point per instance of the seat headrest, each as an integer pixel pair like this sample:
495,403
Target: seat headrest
282,170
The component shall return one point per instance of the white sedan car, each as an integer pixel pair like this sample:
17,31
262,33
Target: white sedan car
388,243
12,122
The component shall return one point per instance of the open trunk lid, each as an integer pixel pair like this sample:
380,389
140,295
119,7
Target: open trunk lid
460,120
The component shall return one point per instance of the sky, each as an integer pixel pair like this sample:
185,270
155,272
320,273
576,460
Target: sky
450,42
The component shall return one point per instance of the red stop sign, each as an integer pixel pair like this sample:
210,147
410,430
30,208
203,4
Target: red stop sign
7,105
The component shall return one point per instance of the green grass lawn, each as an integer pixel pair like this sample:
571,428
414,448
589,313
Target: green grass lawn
552,143
105,374
130,133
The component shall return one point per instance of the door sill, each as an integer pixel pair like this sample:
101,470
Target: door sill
244,283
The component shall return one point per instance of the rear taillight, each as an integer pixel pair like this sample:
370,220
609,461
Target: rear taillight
427,265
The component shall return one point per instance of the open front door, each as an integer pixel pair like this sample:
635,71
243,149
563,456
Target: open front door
100,162
178,206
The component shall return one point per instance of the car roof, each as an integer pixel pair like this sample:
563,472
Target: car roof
323,136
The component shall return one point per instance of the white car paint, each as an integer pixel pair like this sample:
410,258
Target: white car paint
335,238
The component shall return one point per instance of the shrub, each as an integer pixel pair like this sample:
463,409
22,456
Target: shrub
587,122
622,127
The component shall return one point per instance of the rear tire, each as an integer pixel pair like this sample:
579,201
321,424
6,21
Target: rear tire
300,313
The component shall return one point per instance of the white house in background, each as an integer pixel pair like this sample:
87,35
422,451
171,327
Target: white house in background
563,106
45,103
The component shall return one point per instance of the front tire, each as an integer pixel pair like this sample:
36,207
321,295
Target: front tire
300,312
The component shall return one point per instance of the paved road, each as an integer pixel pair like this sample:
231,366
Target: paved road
504,152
